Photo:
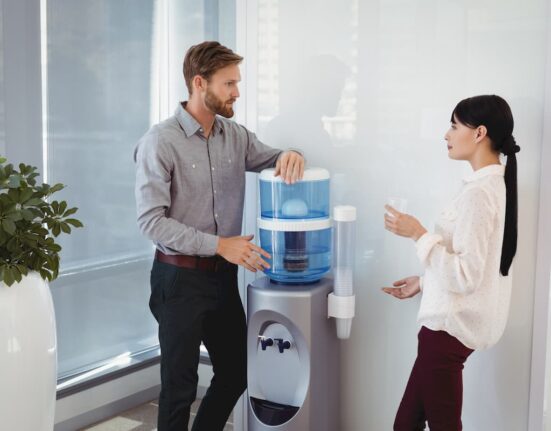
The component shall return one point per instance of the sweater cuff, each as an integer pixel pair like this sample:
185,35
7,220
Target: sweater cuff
209,245
421,283
425,244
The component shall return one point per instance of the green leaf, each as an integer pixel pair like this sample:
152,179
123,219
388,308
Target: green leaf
70,211
74,222
14,216
23,269
31,243
55,247
16,274
13,194
62,207
37,213
65,227
26,194
56,230
45,274
9,208
5,199
8,276
34,202
56,188
8,226
11,245
27,214
38,229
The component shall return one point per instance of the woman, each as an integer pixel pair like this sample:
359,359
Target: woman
464,305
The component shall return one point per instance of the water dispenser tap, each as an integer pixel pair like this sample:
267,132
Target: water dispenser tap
265,342
282,344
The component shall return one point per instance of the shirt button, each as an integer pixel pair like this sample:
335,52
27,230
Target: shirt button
193,166
229,160
216,215
215,192
212,168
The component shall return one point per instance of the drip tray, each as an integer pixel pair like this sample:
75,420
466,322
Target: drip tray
270,413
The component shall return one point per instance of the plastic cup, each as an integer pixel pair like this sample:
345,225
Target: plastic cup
399,204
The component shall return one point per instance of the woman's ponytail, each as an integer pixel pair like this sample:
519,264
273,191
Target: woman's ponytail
509,247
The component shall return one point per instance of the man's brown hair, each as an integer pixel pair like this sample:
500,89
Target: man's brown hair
205,59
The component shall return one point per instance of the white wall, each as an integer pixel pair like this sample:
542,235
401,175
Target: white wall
541,345
366,89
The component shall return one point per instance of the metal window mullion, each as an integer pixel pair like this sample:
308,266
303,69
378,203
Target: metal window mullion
22,82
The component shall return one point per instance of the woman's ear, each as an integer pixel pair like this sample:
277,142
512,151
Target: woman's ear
481,133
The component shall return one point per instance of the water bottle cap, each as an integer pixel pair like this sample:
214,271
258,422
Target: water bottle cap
344,213
310,174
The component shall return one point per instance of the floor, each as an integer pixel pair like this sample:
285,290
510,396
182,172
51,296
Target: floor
142,418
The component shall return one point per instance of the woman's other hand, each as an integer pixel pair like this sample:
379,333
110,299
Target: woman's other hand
405,288
403,224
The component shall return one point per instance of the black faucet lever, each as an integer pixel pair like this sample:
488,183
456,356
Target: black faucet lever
282,344
265,342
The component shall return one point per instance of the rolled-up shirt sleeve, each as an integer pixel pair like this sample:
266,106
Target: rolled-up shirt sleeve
462,269
154,166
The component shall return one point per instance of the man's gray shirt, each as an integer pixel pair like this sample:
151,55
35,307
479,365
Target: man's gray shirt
190,189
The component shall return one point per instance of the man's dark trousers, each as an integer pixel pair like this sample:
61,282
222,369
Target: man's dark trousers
193,305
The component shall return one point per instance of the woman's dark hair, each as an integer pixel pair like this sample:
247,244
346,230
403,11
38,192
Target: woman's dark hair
494,113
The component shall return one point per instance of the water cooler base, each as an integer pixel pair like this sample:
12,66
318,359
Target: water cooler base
293,358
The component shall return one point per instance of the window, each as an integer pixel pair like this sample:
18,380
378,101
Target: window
111,70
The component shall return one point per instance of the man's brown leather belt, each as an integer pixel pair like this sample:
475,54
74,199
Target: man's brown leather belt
210,263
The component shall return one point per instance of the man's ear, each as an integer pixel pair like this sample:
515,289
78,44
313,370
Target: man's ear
199,83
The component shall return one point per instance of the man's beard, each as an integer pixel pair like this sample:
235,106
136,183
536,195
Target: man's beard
219,106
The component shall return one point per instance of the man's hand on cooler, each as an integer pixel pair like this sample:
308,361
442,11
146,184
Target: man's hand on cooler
241,251
290,166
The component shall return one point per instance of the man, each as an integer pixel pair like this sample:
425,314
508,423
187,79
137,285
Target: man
190,186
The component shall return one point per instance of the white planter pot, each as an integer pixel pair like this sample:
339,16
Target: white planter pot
28,356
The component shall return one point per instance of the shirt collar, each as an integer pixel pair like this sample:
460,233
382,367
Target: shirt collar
190,125
484,172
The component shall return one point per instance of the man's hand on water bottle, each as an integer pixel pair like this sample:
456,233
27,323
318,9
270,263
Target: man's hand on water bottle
290,166
241,251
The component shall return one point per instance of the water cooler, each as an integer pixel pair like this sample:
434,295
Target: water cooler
293,346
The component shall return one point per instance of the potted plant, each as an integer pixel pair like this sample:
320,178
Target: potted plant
29,259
